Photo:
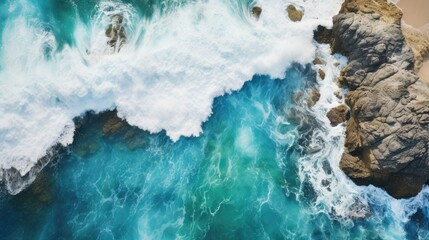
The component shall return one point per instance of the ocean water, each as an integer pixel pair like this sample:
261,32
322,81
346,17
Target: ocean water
223,142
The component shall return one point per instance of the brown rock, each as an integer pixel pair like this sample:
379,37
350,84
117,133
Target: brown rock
115,33
38,196
354,167
322,74
135,138
256,12
315,96
116,128
294,14
338,115
318,61
85,149
338,94
387,135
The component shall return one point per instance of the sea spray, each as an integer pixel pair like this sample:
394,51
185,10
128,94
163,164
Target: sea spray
164,78
265,164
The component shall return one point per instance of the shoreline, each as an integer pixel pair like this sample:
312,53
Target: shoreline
387,132
414,12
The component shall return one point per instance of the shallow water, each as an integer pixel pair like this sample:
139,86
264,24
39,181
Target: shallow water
262,162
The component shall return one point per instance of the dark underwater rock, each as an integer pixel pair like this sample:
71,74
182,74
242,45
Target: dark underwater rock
115,32
315,96
38,196
115,127
85,149
387,135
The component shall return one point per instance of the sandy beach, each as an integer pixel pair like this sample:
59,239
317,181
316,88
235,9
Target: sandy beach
416,14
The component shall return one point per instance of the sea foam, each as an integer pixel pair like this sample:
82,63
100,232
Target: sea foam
164,78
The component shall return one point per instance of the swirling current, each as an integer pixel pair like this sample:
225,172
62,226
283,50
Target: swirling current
197,120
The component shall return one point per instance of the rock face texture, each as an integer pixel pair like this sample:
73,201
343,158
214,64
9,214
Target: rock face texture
387,135
338,115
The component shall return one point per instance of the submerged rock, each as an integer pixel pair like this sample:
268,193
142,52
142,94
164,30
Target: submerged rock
256,12
84,149
135,138
315,96
38,196
294,14
115,32
115,127
387,135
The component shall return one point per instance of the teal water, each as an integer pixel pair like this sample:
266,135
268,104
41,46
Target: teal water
264,167
239,180
234,181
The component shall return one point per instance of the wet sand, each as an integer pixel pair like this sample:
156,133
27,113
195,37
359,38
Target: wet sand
424,71
416,14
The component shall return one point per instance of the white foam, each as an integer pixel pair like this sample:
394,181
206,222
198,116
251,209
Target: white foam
166,79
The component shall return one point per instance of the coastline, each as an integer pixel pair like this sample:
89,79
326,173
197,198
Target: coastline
387,133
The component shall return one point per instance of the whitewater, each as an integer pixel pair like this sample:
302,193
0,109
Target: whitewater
218,92
164,78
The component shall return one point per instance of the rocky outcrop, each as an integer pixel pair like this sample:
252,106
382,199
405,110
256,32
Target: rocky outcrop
114,127
256,12
387,134
115,32
338,115
294,14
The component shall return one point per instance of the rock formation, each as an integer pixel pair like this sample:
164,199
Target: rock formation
338,115
294,14
387,134
115,32
256,12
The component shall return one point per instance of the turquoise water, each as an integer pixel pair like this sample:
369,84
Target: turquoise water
235,180
239,180
265,163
